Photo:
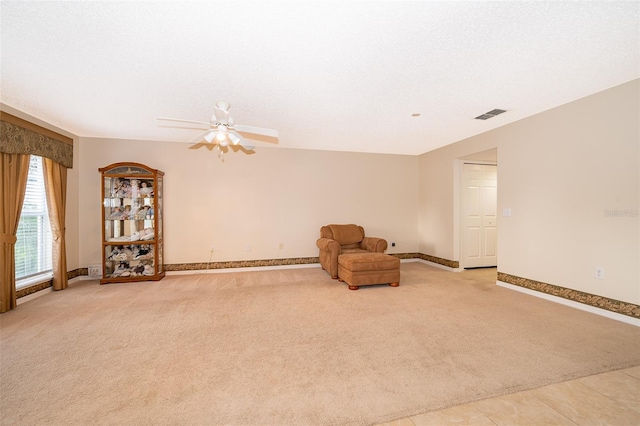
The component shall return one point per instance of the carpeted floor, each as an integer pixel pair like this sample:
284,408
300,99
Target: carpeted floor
290,347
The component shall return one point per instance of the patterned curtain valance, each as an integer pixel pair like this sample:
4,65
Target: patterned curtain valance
18,136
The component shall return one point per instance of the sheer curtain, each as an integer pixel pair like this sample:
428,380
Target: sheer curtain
14,169
55,181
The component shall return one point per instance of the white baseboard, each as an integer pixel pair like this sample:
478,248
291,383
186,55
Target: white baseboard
571,303
50,289
269,268
34,295
437,265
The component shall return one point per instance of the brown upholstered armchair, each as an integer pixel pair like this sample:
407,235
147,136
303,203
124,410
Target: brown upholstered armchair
343,239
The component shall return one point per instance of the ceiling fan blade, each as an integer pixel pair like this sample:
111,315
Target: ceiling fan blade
236,139
209,146
221,115
183,121
247,146
256,130
200,136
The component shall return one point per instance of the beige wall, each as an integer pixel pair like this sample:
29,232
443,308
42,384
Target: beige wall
559,172
273,196
438,196
72,232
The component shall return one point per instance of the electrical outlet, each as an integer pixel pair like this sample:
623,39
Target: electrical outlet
247,247
599,273
281,246
213,248
393,244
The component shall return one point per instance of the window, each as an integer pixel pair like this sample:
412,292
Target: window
33,248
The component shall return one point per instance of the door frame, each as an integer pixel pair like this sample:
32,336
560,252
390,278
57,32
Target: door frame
457,203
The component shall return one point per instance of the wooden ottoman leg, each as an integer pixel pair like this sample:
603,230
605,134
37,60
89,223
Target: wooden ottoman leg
353,287
394,284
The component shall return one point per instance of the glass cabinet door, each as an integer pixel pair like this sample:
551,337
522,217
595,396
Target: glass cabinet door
132,218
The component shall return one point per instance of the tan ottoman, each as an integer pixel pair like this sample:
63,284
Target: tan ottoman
358,269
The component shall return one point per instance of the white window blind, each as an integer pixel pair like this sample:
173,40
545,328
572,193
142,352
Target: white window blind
33,248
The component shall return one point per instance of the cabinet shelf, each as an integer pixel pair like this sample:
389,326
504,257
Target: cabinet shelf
132,223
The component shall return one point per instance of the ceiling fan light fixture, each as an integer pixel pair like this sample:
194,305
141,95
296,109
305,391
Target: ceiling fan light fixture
209,137
221,135
234,139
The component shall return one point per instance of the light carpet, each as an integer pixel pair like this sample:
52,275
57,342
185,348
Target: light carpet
286,347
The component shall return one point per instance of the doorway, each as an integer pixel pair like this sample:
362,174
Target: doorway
478,231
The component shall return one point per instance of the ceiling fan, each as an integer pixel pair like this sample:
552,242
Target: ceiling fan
223,131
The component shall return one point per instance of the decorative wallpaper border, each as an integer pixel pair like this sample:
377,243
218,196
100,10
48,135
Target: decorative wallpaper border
231,265
33,289
601,302
405,255
49,283
440,261
77,273
240,264
277,262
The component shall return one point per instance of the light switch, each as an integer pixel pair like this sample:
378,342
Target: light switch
506,212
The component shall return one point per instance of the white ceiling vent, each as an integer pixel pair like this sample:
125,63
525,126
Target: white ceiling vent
490,114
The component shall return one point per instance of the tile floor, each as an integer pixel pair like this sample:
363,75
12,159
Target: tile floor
603,399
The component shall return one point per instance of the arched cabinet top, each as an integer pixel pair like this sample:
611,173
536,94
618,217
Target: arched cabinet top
130,169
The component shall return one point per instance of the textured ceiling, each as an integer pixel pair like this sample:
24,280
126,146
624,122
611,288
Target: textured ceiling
343,76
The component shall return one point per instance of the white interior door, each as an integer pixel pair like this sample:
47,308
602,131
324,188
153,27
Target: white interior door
479,215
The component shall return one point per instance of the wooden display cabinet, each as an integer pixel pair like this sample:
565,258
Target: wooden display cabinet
131,223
